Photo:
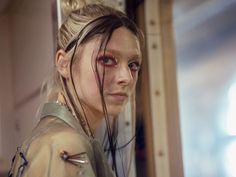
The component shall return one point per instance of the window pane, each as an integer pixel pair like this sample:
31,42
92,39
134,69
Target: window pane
206,65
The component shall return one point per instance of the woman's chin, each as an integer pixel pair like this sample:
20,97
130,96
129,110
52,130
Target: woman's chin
114,110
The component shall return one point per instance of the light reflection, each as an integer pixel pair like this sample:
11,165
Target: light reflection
231,114
230,160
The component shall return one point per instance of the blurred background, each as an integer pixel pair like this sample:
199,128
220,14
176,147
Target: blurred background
205,46
205,33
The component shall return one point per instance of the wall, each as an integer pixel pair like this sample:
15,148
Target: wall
25,63
32,40
6,104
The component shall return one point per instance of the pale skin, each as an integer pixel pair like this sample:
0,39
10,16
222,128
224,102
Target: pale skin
121,63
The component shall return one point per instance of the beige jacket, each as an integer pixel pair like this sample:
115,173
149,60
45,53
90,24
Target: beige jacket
58,147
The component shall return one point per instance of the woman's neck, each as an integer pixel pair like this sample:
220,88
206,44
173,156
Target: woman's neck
92,116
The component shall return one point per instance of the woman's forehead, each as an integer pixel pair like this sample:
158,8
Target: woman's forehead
122,41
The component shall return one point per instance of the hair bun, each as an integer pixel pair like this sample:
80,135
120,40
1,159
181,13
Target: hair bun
67,6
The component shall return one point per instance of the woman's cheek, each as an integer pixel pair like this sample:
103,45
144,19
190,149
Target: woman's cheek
109,80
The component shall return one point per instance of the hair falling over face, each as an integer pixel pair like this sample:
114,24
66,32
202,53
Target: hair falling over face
81,26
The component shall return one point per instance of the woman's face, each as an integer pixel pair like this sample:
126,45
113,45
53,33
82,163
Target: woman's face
120,63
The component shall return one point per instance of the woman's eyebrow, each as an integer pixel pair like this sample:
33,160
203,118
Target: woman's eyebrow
119,53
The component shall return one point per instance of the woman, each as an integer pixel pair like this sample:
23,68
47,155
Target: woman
97,62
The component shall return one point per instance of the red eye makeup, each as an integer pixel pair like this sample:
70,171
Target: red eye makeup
107,60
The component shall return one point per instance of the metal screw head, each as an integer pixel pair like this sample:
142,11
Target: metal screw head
127,123
157,93
152,22
154,46
160,153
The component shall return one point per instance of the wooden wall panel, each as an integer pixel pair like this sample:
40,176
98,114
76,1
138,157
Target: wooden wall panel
163,90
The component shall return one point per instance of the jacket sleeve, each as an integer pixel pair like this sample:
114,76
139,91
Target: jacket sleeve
62,155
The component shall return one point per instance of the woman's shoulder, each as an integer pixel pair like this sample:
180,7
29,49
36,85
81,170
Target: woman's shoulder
57,148
59,136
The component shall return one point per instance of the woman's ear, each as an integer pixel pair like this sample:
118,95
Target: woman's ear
62,63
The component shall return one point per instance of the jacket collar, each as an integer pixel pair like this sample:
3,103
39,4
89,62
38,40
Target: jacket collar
61,112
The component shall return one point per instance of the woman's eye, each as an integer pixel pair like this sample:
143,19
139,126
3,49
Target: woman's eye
107,61
134,66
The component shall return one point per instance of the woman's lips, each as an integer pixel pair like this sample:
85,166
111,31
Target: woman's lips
119,96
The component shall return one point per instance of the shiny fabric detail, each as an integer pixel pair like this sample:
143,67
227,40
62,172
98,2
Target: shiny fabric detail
75,159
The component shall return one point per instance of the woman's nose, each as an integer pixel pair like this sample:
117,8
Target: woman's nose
124,75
